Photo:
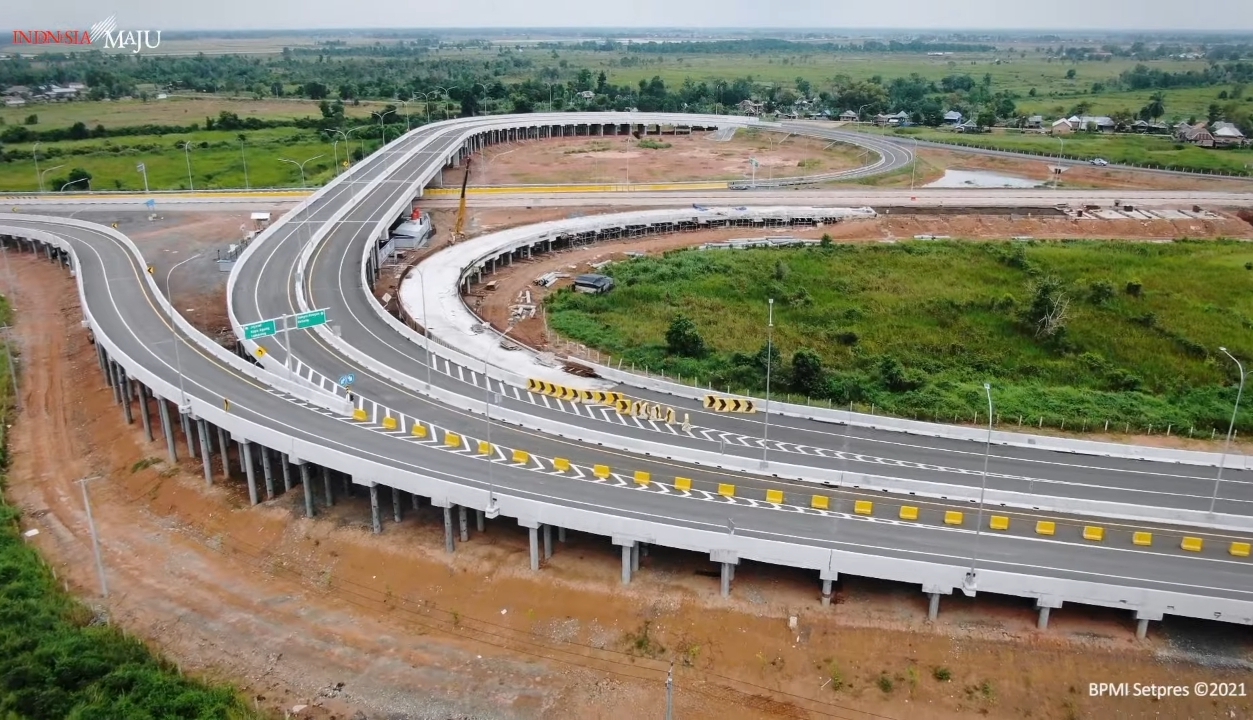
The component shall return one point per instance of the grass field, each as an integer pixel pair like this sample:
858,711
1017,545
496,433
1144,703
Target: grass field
112,161
172,111
1143,150
916,328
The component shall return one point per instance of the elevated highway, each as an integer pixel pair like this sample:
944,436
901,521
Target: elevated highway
432,442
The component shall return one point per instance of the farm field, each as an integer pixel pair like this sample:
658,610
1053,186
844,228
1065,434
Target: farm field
1141,150
915,328
217,160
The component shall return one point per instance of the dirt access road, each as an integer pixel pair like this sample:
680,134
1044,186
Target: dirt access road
323,612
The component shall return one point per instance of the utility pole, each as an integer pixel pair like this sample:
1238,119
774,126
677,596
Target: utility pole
95,538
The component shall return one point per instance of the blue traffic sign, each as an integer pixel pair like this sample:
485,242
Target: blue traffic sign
151,204
347,380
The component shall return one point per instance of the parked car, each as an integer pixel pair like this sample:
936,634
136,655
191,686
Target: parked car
1100,161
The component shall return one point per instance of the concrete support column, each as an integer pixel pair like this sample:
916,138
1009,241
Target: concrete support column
417,501
534,533
396,510
1042,623
548,542
308,485
283,460
635,558
268,472
626,564
128,392
450,543
479,520
933,609
245,454
347,485
188,435
374,509
826,593
102,358
727,569
226,453
465,526
561,534
142,392
326,481
205,452
167,429
1142,628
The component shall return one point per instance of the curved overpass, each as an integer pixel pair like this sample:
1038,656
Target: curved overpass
427,452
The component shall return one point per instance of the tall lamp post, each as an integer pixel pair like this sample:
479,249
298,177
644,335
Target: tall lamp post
491,511
301,165
405,104
347,148
187,153
426,329
765,432
863,107
34,153
382,127
178,360
983,486
95,538
1230,431
72,182
244,158
45,172
1060,153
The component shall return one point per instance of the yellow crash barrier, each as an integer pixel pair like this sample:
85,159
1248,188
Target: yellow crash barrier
952,517
1045,527
863,507
1143,539
389,423
600,471
452,440
1192,544
485,448
726,490
820,502
682,483
1239,549
561,464
643,478
521,456
569,394
1093,533
419,430
360,415
774,496
909,512
999,522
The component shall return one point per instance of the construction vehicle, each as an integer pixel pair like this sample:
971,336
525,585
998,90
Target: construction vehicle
458,232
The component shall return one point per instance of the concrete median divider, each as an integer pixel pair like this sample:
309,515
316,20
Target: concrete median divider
820,502
419,430
683,484
909,512
726,490
643,478
485,448
1143,539
1239,549
1093,533
452,440
521,457
484,190
601,471
774,496
1192,544
998,522
389,423
1045,527
360,415
953,517
863,507
561,465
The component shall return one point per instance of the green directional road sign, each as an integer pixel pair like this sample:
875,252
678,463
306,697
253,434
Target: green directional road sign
265,328
310,319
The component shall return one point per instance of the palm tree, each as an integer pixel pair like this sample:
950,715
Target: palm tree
1157,105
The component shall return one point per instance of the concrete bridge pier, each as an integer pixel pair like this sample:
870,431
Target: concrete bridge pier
1142,622
268,472
245,456
224,446
561,534
533,531
205,451
479,521
188,435
144,417
127,393
307,482
729,559
548,542
167,429
326,482
828,578
464,523
286,471
115,381
396,509
1045,605
450,542
375,518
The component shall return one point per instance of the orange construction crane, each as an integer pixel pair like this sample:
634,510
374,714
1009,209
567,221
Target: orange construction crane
458,232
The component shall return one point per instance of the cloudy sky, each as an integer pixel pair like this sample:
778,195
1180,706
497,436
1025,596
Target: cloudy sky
1228,15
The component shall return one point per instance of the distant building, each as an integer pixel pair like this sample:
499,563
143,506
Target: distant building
952,117
848,116
593,283
587,94
14,102
1227,134
750,107
1035,122
1093,123
1061,127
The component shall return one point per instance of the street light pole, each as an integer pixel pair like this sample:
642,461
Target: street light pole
301,165
382,127
191,185
426,329
1230,431
245,159
492,511
765,433
45,172
34,152
404,104
983,486
63,187
913,167
95,538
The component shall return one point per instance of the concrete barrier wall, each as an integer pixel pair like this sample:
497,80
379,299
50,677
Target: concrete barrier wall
532,508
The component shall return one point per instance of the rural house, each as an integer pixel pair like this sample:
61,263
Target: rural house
1227,134
1062,126
952,117
749,107
848,116
1034,122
